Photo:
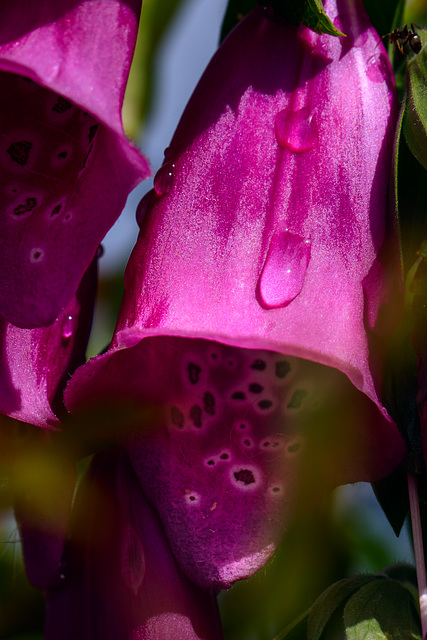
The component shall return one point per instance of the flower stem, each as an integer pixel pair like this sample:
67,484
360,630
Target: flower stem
419,551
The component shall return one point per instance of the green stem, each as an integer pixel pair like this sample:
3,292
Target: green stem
418,551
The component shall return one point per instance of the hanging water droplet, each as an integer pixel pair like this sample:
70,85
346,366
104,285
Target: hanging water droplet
163,179
67,328
296,130
284,270
143,207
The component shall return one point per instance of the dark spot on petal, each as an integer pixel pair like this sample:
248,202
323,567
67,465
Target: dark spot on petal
282,368
177,417
62,155
214,356
294,447
256,388
258,365
193,372
196,415
238,395
29,205
266,443
265,404
211,463
275,489
247,443
244,475
224,456
61,105
56,210
276,443
297,399
19,151
192,498
242,425
92,131
209,403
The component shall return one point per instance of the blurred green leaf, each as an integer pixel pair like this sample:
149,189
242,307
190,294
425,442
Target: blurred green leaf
383,609
415,113
155,19
385,15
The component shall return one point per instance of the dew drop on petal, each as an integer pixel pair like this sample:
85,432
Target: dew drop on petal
143,207
163,179
284,270
67,328
377,69
296,130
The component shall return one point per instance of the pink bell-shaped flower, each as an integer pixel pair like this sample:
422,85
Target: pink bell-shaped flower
66,165
257,289
35,365
120,579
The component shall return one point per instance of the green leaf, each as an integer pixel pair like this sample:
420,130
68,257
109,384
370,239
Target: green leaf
334,597
308,12
415,114
383,609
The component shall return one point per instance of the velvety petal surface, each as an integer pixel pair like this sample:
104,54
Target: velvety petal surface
264,240
35,364
120,578
66,165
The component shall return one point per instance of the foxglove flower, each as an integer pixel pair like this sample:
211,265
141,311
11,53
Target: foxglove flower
35,365
262,248
120,578
66,165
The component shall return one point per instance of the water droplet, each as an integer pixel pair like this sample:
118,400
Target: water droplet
36,255
163,179
67,328
284,270
377,69
132,560
296,130
143,207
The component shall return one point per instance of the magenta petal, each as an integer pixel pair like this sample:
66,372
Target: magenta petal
265,235
66,165
120,577
222,465
35,364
